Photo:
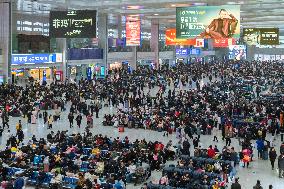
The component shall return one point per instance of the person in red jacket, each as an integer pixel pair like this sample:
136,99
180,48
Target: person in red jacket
210,152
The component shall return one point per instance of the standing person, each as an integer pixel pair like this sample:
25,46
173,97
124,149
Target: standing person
195,142
272,157
258,185
45,116
5,119
70,118
50,122
260,147
97,109
236,184
20,135
79,120
90,120
19,126
281,165
1,131
215,133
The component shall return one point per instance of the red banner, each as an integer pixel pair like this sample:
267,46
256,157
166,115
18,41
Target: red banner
172,40
133,31
226,42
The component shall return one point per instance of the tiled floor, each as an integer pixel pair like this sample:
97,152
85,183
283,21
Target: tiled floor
259,169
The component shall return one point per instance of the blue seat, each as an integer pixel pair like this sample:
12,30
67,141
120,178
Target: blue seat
33,179
47,180
85,166
87,151
70,182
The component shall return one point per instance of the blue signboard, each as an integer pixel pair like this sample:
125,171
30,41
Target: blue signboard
182,51
18,59
195,51
89,73
102,71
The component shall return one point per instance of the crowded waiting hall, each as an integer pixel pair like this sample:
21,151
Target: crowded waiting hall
128,94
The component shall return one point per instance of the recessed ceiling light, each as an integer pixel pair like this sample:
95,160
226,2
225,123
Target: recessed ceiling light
156,14
173,5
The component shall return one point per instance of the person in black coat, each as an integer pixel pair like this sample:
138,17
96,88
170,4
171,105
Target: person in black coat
185,147
79,120
236,185
272,157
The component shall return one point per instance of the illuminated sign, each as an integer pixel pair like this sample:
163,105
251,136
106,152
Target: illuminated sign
182,51
172,40
224,42
73,24
133,31
237,52
261,36
18,59
208,22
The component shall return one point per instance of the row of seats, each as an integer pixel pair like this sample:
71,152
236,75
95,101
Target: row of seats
204,160
68,182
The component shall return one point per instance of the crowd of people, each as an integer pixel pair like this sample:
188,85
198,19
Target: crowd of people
239,100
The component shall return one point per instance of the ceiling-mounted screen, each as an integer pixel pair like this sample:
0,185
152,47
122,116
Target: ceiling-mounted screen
73,24
208,22
261,36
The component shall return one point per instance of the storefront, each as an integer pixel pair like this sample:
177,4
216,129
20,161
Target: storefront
41,67
88,71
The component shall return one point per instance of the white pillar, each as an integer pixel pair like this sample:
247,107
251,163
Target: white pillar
154,43
5,39
61,46
103,37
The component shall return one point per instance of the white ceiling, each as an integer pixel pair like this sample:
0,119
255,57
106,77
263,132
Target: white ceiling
254,13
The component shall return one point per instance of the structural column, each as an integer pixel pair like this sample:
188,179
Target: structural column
103,37
61,46
154,43
119,27
133,62
5,40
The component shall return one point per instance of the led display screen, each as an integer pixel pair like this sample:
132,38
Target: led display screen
237,52
72,24
208,22
261,36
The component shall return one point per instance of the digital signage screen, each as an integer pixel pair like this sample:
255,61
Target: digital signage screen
172,40
208,22
133,31
261,36
237,52
73,24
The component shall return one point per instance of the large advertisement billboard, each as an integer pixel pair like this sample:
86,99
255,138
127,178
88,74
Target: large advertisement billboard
261,36
73,24
133,31
237,52
208,22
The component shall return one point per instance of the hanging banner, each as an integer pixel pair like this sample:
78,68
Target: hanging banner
172,40
133,31
208,22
